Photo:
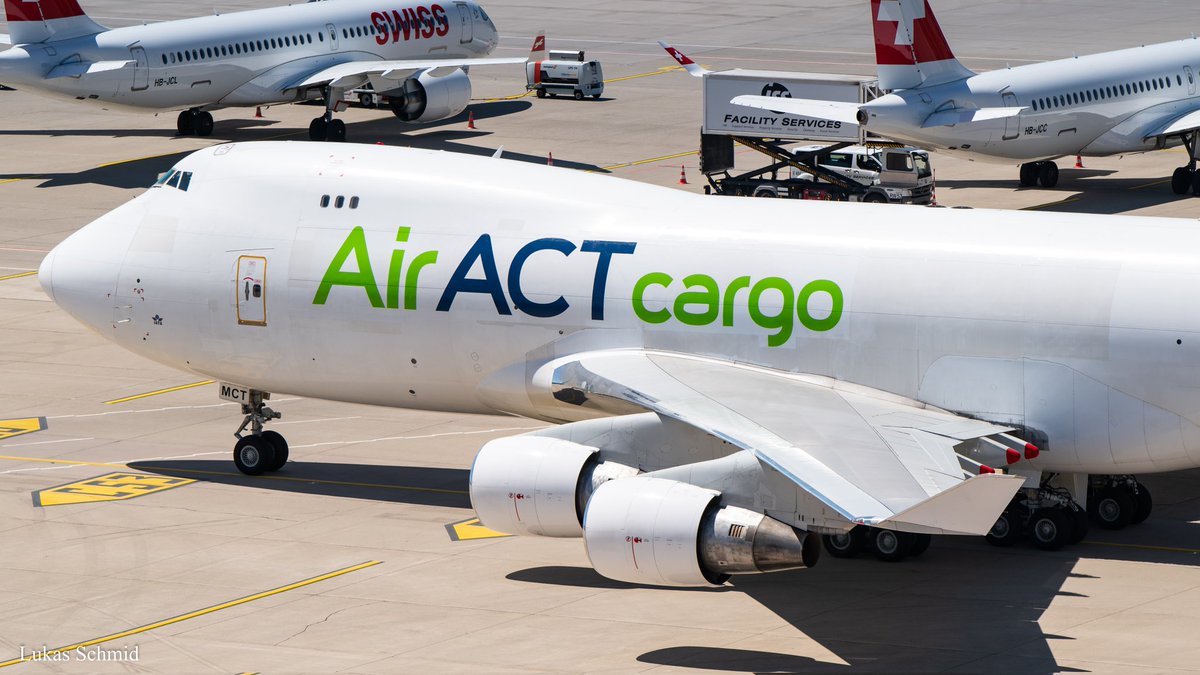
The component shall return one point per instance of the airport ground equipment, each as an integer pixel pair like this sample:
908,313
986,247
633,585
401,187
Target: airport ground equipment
565,73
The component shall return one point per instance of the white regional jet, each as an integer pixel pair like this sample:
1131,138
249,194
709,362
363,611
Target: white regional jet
416,53
732,376
1133,100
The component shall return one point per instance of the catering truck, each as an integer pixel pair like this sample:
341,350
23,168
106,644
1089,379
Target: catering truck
904,175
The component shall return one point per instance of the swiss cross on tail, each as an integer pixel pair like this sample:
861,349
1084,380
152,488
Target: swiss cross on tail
682,59
906,32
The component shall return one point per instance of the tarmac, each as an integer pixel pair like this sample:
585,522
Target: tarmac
130,543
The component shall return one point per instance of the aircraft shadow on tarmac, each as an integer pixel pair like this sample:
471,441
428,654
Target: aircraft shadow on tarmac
384,483
965,606
126,175
1090,191
152,129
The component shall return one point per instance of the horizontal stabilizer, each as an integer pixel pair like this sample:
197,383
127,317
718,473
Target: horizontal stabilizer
967,508
837,111
949,118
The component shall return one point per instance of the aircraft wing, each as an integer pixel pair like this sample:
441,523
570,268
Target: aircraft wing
949,118
5,39
79,68
871,457
837,111
354,73
1182,124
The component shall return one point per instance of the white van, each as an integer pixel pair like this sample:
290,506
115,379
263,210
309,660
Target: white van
865,165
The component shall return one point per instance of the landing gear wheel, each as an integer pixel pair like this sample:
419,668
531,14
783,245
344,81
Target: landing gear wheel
185,124
317,129
253,455
204,123
1181,181
579,96
279,445
1079,521
1048,174
1196,183
1029,174
337,131
1114,508
541,93
1005,532
891,546
921,544
1143,505
847,544
1051,528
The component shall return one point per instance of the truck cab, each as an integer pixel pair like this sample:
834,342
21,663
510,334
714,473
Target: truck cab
900,173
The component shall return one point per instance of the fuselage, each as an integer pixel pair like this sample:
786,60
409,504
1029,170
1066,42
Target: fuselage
245,58
1096,105
364,274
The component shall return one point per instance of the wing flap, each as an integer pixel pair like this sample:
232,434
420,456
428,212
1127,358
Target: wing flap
837,111
970,507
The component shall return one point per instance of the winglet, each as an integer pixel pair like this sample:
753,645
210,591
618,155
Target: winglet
693,69
971,507
538,51
498,153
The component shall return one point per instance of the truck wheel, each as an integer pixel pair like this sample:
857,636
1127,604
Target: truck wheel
874,198
541,93
596,96
366,100
766,193
578,95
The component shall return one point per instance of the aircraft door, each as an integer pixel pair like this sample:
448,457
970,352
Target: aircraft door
141,76
1012,125
333,41
250,286
1191,78
468,25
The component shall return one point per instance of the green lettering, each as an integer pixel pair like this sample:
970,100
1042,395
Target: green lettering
410,280
710,297
639,290
781,321
393,287
355,243
730,294
835,310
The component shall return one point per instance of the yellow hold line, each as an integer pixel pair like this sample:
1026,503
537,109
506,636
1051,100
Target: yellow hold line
660,71
73,462
156,393
197,613
651,160
18,275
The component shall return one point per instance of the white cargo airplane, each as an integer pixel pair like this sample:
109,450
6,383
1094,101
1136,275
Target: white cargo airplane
416,53
1133,100
733,376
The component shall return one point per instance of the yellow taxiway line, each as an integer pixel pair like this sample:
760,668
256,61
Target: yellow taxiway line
651,160
18,275
660,71
199,612
156,392
1144,547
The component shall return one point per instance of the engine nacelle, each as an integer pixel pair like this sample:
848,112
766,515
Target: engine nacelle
537,485
427,98
646,530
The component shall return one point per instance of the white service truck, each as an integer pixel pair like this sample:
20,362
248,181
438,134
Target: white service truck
565,73
906,177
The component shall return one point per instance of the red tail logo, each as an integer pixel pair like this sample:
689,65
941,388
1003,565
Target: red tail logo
906,32
539,44
23,10
679,56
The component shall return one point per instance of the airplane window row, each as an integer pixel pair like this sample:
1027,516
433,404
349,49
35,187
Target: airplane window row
176,179
250,47
1104,93
338,202
365,31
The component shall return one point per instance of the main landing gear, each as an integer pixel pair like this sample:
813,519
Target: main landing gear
887,545
1117,501
194,121
1039,173
260,451
325,127
1047,515
1186,178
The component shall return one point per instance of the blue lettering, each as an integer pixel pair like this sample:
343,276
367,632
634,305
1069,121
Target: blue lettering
522,302
606,249
489,284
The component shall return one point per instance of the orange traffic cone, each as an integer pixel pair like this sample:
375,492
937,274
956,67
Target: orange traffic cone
471,120
682,176
258,112
1078,161
550,159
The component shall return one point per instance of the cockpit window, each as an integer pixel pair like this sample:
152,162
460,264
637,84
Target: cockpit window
185,179
173,181
164,178
180,180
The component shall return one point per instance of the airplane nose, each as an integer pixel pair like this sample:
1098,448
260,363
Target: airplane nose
45,270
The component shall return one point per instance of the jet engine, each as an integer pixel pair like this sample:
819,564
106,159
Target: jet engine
663,532
427,98
537,484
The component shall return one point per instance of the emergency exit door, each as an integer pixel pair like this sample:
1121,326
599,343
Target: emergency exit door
251,290
141,74
1012,124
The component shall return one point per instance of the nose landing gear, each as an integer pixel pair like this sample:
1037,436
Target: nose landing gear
325,127
259,451
194,121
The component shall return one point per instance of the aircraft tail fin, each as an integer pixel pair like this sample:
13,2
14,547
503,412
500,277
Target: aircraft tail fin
910,49
42,20
538,51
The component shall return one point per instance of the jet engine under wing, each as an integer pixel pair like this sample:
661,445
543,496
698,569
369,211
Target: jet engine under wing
838,111
355,72
871,457
1179,125
949,118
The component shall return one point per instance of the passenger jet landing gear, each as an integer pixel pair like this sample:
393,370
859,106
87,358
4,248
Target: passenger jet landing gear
260,451
1039,173
1186,179
886,545
1117,501
325,127
194,121
1047,515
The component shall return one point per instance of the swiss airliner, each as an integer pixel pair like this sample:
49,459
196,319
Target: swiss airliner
415,53
1132,100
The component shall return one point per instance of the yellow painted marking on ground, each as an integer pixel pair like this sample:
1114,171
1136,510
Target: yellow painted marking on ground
651,160
1145,547
1068,200
660,71
18,275
107,488
159,391
1157,182
238,474
514,97
197,613
466,530
135,159
19,427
